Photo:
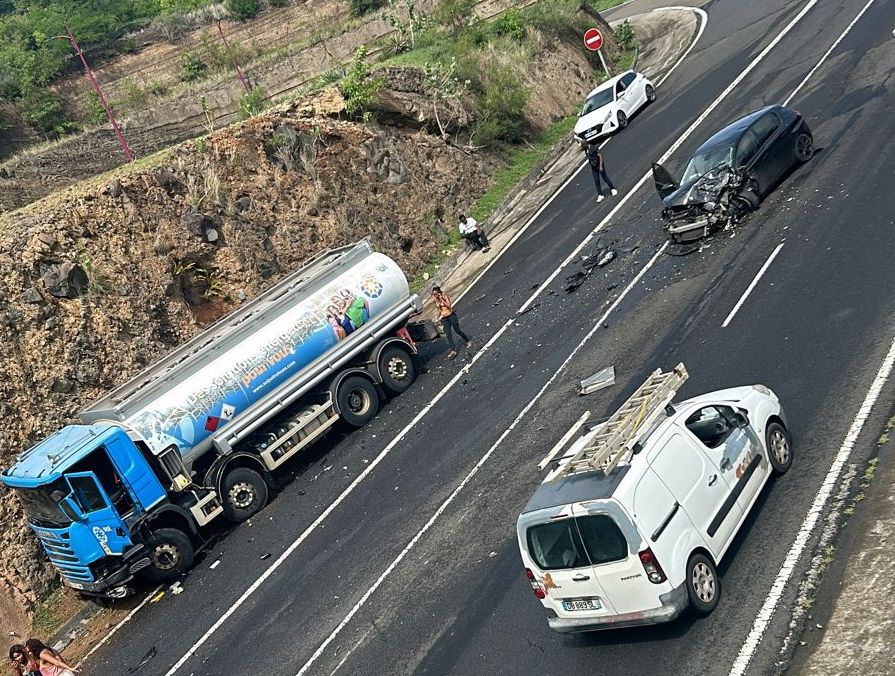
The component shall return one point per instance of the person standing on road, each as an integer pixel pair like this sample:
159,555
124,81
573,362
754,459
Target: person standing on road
470,231
51,662
449,320
598,169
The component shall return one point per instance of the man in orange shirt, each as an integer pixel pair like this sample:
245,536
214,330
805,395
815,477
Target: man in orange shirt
449,320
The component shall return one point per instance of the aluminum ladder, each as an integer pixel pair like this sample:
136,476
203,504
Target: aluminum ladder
615,438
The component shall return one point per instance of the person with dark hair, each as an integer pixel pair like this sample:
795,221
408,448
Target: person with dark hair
598,169
471,232
21,664
449,320
51,662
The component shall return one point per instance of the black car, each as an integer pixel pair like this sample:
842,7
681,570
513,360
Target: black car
730,173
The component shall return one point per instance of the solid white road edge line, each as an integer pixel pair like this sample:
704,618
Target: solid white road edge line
118,626
763,619
752,284
828,52
703,19
323,515
444,505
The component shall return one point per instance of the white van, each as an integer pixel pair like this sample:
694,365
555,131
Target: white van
629,527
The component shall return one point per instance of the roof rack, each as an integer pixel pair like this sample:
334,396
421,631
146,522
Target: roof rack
608,443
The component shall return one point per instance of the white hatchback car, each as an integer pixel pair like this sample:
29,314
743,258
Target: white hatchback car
628,529
609,106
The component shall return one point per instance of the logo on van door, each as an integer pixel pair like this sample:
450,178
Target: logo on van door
744,465
549,583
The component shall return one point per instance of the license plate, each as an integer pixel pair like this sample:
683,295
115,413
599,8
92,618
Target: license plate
582,604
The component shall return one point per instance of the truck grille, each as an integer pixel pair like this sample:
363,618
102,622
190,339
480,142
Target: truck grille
61,555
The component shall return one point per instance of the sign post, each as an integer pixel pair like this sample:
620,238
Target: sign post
593,40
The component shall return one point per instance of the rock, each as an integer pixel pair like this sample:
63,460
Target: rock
61,385
211,235
67,280
243,203
268,269
194,222
115,188
240,295
165,178
31,295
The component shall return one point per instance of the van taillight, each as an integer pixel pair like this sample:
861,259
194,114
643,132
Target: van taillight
653,570
535,586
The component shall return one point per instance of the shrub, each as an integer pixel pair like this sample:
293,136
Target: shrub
500,106
94,113
361,7
192,67
243,9
511,24
44,112
624,35
358,88
252,103
278,3
454,14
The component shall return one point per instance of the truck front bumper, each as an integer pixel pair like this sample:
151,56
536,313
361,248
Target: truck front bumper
672,605
113,584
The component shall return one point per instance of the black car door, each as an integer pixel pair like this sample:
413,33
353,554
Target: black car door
773,155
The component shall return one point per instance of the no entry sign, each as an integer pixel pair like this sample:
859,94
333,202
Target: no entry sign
593,39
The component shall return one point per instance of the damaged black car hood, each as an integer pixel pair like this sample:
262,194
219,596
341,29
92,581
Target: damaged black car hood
705,188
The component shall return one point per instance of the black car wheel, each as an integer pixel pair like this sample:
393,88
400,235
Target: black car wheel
703,584
779,445
622,120
170,555
804,147
358,401
650,93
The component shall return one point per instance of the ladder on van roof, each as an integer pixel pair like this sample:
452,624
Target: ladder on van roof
612,440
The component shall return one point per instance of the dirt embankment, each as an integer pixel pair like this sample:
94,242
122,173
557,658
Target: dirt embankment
97,280
298,44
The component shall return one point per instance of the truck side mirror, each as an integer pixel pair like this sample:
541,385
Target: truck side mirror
71,509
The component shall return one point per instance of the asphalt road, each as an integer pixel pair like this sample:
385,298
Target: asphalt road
815,328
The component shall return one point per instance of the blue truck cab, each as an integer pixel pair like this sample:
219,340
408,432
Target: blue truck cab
85,491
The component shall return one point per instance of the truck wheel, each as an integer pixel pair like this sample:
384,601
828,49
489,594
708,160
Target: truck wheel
397,370
779,448
358,401
703,584
244,494
170,554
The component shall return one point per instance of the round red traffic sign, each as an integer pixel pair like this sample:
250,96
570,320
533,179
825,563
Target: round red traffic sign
593,39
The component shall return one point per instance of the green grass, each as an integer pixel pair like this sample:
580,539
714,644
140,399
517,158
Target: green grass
519,164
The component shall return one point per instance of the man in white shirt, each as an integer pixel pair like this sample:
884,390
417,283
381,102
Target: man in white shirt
469,230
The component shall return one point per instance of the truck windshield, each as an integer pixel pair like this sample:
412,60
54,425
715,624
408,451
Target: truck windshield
42,504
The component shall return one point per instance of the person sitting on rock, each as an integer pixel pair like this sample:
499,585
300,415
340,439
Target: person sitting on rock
471,232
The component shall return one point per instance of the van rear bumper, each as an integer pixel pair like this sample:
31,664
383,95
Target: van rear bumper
672,604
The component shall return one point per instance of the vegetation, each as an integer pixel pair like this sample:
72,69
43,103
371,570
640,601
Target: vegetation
361,7
192,67
243,9
358,87
251,103
624,35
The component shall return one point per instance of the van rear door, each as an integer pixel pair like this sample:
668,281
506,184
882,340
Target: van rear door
613,544
568,578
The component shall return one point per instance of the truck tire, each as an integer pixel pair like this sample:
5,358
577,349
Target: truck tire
779,445
243,494
170,555
358,400
703,584
397,370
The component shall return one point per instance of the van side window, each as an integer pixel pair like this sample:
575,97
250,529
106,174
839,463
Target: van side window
712,424
556,545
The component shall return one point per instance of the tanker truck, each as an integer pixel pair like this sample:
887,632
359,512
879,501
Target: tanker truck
198,434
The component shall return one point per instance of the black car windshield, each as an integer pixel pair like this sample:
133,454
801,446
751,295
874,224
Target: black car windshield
42,504
596,100
719,156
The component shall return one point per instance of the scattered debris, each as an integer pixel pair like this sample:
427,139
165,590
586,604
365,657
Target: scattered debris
265,556
589,262
598,381
147,658
481,298
176,588
491,555
215,564
533,287
157,597
683,250
497,302
528,309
